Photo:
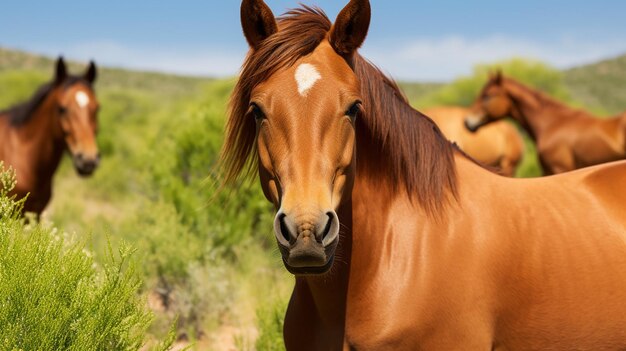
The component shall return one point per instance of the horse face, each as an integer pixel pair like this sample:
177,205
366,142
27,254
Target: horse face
305,120
493,104
78,110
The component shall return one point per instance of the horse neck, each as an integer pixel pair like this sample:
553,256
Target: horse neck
364,221
328,292
40,139
530,109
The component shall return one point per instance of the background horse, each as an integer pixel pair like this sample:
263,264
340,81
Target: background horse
61,115
433,251
497,145
566,138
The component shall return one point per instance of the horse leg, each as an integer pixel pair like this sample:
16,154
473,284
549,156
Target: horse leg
507,167
565,163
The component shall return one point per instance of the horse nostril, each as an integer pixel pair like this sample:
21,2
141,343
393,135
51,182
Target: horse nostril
284,230
79,156
328,225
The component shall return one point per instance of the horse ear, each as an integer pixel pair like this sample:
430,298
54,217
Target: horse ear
92,72
497,77
60,72
350,28
257,21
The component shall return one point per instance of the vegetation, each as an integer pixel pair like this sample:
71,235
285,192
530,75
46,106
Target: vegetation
600,85
205,258
52,297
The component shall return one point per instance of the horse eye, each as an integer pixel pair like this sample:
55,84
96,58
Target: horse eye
62,110
353,111
257,112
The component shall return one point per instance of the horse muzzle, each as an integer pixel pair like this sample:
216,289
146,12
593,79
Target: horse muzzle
473,123
307,242
85,166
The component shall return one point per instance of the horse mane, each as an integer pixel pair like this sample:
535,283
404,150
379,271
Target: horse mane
407,145
21,113
538,95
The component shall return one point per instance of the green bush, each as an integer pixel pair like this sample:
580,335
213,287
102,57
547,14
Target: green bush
54,297
17,86
270,319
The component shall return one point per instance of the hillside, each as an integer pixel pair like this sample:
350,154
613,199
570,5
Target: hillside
12,60
601,84
159,83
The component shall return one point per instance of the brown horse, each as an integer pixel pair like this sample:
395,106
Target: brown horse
433,252
497,145
61,115
566,138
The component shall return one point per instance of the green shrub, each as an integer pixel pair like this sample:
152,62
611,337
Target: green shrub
54,297
19,85
270,319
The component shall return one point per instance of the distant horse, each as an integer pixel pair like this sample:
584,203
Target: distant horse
497,145
566,138
433,252
61,115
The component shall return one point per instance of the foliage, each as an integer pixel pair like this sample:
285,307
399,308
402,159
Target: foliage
18,85
270,320
9,207
600,85
54,297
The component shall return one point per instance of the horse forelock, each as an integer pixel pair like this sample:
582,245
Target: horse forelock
416,155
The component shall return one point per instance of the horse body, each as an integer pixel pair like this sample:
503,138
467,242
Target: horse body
481,277
34,153
566,138
60,116
434,252
565,147
497,145
466,282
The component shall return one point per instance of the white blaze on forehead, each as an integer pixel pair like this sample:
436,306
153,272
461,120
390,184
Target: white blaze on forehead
82,99
306,76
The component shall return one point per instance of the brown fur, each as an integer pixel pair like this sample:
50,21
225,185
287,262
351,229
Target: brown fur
497,145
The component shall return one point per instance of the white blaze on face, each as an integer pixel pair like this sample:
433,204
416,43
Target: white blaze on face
306,76
82,99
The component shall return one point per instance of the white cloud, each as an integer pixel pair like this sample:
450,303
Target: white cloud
424,59
449,57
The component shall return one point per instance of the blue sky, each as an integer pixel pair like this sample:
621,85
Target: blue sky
413,40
